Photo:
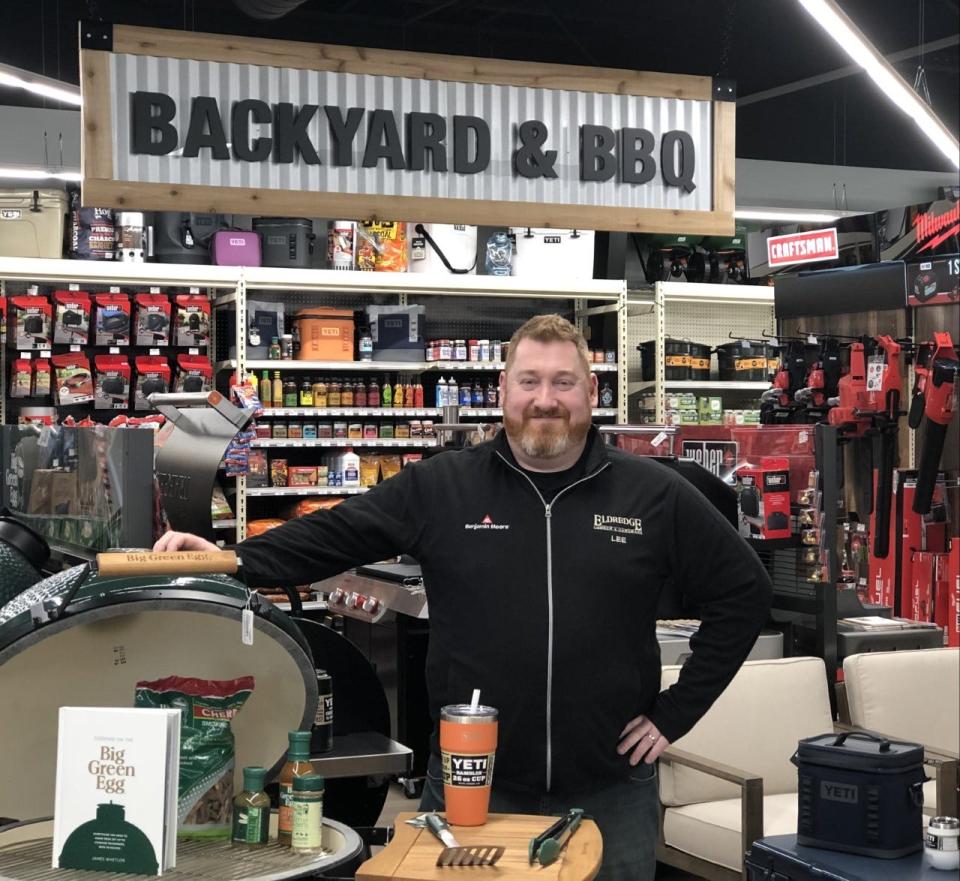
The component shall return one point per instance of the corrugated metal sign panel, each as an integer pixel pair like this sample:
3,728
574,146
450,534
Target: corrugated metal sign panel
502,107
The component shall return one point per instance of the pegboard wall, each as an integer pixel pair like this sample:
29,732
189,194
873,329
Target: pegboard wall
483,317
708,323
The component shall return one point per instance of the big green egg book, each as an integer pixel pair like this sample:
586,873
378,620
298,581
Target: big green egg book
116,797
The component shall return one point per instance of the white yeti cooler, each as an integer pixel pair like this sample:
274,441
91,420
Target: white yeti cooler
553,253
31,222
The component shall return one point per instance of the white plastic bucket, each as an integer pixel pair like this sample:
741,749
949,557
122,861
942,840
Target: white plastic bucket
457,243
553,253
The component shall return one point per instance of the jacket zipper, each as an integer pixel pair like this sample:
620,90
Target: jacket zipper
547,515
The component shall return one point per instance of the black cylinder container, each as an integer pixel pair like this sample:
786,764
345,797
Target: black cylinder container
743,361
699,361
676,359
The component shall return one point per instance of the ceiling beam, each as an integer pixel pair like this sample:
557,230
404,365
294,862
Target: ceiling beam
841,72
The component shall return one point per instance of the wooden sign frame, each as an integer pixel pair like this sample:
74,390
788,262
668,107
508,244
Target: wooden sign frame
100,188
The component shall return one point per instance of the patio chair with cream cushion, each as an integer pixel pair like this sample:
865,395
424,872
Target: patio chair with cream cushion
915,696
730,781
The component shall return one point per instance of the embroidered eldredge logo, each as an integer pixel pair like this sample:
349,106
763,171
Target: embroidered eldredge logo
613,523
486,523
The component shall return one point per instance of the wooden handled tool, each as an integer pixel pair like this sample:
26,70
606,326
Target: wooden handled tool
168,563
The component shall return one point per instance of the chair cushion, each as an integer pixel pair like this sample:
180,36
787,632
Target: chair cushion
910,694
754,725
711,830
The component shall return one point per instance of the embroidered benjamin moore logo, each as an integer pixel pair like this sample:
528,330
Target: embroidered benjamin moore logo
613,523
486,523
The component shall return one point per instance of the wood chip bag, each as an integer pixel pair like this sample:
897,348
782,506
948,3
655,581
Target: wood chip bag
205,790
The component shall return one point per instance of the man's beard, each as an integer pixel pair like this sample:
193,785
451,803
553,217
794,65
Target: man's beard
545,440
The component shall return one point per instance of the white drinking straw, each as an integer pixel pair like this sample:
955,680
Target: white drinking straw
475,702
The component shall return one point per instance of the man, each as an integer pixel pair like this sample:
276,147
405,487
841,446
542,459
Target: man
543,554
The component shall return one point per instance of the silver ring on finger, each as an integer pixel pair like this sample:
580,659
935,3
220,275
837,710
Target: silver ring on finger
652,737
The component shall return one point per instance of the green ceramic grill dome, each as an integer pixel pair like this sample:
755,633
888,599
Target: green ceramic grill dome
22,553
130,850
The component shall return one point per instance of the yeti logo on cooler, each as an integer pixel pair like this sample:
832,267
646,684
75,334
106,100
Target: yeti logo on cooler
838,792
237,243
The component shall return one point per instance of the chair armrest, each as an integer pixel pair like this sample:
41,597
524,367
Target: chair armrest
945,763
751,789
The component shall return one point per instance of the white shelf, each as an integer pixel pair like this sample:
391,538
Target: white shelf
348,411
481,412
341,442
682,292
387,366
702,385
106,272
333,281
224,524
306,490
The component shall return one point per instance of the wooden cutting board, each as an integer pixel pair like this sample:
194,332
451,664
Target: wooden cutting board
412,854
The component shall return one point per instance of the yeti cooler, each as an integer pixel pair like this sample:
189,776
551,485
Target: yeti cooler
286,241
31,223
180,237
860,793
233,247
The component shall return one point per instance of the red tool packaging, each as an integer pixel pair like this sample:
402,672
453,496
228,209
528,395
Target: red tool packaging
74,381
194,374
193,320
153,375
113,320
32,317
153,320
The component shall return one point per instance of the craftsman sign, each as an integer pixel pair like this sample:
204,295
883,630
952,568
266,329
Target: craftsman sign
803,247
410,135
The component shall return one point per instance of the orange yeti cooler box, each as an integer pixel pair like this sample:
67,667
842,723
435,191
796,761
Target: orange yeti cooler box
325,334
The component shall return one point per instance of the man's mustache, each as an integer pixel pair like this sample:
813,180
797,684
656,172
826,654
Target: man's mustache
553,412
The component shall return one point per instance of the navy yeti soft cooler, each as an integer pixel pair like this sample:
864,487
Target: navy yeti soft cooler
780,858
860,793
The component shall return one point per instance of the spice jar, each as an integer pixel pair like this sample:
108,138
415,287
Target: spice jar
307,804
298,765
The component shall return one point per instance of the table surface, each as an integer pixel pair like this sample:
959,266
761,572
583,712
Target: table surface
26,850
833,864
412,854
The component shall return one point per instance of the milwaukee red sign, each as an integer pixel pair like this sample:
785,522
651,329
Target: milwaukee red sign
803,247
932,229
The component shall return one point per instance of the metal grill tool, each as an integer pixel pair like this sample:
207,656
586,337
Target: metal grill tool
546,847
455,854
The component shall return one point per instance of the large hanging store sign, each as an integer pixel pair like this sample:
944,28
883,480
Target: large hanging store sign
197,122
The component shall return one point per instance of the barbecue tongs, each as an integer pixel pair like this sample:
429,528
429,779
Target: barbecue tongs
546,847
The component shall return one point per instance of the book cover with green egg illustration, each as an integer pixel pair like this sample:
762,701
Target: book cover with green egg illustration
116,795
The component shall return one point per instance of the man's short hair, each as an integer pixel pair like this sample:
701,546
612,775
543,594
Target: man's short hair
549,329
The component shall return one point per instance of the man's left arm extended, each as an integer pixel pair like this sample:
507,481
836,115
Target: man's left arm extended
723,575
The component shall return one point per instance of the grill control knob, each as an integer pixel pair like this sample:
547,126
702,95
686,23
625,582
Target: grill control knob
372,605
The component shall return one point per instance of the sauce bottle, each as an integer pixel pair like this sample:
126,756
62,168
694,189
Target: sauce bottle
319,393
266,389
360,394
441,400
408,394
398,394
298,765
289,393
373,393
346,394
386,394
277,396
306,393
251,810
418,395
333,393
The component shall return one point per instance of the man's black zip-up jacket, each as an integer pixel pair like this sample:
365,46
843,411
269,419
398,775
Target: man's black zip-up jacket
548,609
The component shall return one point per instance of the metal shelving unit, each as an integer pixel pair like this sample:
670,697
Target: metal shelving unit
305,490
341,442
304,287
704,313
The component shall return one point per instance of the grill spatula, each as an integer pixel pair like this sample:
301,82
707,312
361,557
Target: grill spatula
455,854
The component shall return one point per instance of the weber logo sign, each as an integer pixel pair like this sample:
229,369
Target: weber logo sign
841,792
803,247
718,457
